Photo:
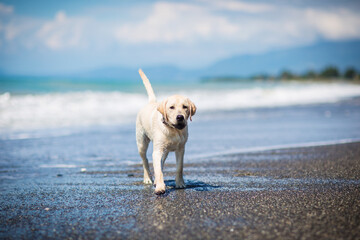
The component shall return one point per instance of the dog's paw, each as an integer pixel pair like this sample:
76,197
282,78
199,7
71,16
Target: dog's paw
160,189
180,184
159,192
147,181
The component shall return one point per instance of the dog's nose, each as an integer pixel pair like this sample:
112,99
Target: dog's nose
180,117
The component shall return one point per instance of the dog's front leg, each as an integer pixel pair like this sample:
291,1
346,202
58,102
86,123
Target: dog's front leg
158,160
179,180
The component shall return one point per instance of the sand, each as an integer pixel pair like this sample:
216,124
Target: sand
299,193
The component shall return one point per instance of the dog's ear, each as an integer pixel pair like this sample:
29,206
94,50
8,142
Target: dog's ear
162,109
192,108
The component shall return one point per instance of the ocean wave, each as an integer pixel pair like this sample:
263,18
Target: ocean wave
72,109
55,110
287,94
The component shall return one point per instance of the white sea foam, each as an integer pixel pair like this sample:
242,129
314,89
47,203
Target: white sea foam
58,166
54,110
67,109
282,95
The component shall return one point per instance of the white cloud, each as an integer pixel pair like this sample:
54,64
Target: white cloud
238,6
5,9
176,22
62,32
334,24
187,34
11,31
229,22
15,31
185,24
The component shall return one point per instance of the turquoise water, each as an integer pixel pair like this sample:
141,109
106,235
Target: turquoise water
35,103
42,85
51,123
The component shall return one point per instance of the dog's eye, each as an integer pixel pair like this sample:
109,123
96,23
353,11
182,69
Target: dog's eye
172,107
185,107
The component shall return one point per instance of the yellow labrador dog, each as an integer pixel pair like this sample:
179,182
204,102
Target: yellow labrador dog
165,124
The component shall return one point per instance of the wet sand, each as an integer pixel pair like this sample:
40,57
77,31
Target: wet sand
299,193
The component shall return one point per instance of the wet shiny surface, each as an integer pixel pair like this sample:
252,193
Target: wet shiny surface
291,193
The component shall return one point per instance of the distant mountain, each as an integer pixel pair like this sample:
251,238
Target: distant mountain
298,60
108,72
155,74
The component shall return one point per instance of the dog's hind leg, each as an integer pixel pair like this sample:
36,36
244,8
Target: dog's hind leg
143,143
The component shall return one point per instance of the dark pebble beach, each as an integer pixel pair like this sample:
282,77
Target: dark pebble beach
298,193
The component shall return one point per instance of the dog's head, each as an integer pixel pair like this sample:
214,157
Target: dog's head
176,110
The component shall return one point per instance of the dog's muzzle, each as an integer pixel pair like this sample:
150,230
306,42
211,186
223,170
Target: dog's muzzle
180,118
180,126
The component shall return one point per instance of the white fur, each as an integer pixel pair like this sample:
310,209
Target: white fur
159,123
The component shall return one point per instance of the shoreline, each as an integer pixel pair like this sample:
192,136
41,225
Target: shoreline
277,147
302,193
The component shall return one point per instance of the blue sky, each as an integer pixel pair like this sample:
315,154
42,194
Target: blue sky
54,37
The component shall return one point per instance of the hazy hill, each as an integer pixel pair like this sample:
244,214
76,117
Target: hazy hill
315,57
298,60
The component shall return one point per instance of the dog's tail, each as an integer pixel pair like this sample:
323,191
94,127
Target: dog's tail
150,91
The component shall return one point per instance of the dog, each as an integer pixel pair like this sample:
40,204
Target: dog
166,125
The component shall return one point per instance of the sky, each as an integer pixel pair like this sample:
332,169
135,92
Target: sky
53,37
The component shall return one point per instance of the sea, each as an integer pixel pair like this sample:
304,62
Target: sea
69,123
